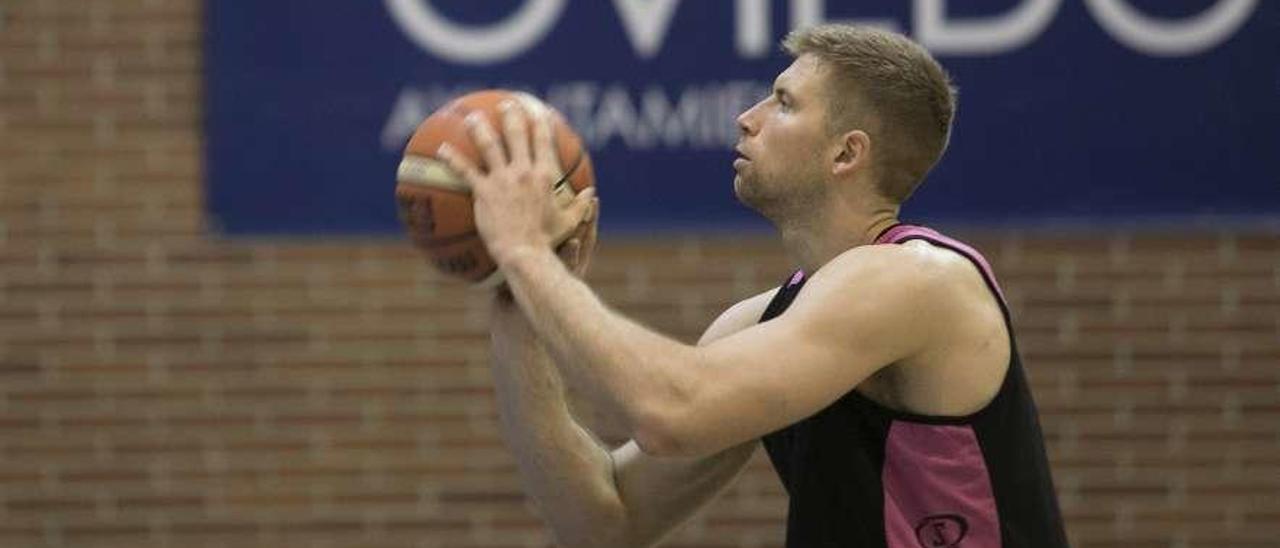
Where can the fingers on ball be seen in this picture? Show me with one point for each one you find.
(543, 148)
(515, 130)
(486, 140)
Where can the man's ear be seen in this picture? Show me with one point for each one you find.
(853, 153)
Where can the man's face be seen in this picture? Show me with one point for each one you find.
(782, 148)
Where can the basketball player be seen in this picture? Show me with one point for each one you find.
(882, 377)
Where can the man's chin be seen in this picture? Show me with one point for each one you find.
(745, 192)
(740, 190)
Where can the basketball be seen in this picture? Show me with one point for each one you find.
(434, 202)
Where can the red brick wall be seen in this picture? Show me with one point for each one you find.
(161, 387)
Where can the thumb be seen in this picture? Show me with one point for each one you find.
(593, 212)
(566, 220)
(581, 206)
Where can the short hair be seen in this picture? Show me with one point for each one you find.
(892, 88)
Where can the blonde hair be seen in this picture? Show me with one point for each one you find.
(890, 87)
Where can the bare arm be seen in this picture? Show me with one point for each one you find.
(866, 309)
(567, 474)
(589, 496)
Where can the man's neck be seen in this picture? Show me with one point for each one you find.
(823, 237)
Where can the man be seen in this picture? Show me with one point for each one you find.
(889, 395)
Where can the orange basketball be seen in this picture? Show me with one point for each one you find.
(435, 202)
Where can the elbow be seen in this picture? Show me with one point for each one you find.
(656, 443)
(660, 432)
(664, 421)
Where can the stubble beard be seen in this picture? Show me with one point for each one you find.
(747, 188)
(768, 198)
(780, 202)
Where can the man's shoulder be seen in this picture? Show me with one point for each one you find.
(912, 289)
(917, 265)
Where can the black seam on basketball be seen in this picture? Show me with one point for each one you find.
(581, 154)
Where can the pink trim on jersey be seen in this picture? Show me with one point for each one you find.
(937, 493)
(904, 232)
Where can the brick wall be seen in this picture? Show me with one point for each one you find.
(160, 387)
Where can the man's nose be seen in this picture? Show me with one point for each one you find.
(745, 123)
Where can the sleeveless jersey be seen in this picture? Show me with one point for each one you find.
(861, 475)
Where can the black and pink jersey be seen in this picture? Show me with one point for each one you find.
(860, 475)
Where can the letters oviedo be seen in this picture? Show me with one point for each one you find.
(646, 24)
(691, 112)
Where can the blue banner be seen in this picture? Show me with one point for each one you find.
(1076, 110)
